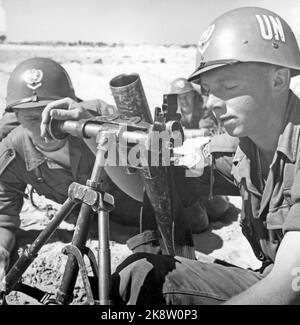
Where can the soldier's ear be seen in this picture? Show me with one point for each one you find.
(281, 79)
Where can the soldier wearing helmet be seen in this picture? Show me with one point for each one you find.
(195, 116)
(48, 166)
(245, 58)
(191, 108)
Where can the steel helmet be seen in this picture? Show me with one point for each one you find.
(181, 86)
(248, 34)
(36, 82)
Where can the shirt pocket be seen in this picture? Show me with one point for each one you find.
(274, 223)
(276, 216)
(280, 205)
(278, 212)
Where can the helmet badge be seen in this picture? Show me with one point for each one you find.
(180, 84)
(204, 39)
(33, 78)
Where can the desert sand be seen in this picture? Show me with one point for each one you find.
(91, 69)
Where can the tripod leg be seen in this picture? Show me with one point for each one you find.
(30, 254)
(163, 197)
(147, 219)
(104, 271)
(65, 291)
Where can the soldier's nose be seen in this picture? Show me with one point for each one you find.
(215, 103)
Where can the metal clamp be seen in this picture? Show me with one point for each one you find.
(71, 249)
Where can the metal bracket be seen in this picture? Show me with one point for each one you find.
(92, 259)
(71, 249)
(95, 199)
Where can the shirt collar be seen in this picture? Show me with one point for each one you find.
(34, 158)
(287, 143)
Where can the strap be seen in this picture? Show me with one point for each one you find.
(38, 175)
(39, 295)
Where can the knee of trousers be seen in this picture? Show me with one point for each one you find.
(141, 277)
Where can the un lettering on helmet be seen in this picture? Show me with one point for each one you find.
(270, 27)
(247, 34)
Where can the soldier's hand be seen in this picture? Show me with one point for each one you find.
(191, 155)
(62, 109)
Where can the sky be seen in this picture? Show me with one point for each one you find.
(127, 21)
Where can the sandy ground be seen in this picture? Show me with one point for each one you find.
(91, 69)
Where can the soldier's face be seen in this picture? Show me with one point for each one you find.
(216, 105)
(186, 102)
(243, 91)
(30, 119)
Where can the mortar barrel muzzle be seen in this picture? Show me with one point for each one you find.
(129, 95)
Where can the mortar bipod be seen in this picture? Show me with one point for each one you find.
(92, 201)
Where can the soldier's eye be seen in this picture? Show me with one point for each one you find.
(32, 118)
(230, 86)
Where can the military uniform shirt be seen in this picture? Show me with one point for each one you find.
(270, 207)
